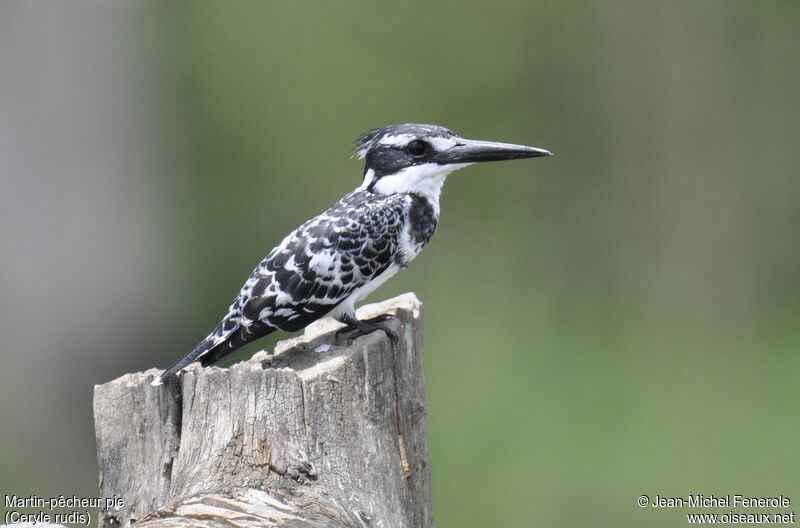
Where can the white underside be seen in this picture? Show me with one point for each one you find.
(348, 306)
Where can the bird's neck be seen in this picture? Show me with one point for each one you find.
(425, 181)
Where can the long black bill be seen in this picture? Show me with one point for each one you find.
(474, 151)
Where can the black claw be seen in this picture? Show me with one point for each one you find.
(341, 332)
(391, 334)
(356, 328)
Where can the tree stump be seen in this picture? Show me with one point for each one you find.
(320, 434)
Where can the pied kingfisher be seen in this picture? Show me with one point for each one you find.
(338, 258)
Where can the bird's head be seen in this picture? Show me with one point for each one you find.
(417, 158)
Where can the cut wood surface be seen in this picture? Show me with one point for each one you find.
(323, 433)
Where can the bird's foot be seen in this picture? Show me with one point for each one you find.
(380, 318)
(356, 328)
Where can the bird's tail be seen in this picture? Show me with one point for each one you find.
(235, 341)
(204, 346)
(216, 346)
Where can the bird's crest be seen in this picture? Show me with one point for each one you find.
(365, 141)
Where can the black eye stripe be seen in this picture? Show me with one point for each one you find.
(417, 147)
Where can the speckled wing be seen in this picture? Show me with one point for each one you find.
(322, 262)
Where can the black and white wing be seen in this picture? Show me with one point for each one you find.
(313, 270)
(322, 262)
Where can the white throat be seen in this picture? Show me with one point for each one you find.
(425, 180)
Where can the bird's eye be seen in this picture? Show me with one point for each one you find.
(417, 147)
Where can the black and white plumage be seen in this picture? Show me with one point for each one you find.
(328, 264)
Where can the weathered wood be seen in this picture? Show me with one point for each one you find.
(320, 434)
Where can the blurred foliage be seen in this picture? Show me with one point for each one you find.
(614, 321)
(619, 319)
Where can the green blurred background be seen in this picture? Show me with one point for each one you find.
(620, 319)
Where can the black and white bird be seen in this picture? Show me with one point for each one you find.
(328, 264)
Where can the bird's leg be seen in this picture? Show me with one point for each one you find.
(356, 328)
